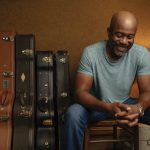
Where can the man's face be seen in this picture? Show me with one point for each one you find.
(121, 39)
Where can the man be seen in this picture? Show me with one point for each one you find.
(106, 72)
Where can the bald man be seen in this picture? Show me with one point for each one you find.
(104, 78)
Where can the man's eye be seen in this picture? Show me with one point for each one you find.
(130, 36)
(119, 35)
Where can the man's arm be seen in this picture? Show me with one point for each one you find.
(83, 86)
(144, 90)
(143, 102)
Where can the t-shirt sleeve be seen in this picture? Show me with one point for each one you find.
(85, 64)
(144, 67)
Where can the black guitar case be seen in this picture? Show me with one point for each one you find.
(45, 139)
(24, 105)
(62, 92)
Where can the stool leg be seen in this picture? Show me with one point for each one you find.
(136, 138)
(132, 146)
(86, 139)
(115, 134)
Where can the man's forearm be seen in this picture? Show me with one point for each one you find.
(144, 99)
(85, 98)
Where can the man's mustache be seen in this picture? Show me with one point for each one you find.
(123, 46)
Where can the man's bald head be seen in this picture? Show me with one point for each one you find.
(121, 34)
(123, 18)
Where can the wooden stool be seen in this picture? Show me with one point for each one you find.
(102, 129)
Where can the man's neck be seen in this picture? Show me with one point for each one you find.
(111, 56)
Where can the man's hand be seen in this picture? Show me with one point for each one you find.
(118, 108)
(126, 114)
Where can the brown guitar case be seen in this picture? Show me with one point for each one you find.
(24, 105)
(7, 69)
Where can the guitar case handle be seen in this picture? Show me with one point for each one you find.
(5, 97)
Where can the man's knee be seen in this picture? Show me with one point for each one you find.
(76, 113)
(146, 118)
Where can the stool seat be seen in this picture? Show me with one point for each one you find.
(105, 132)
(103, 123)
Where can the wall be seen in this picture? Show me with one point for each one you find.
(70, 24)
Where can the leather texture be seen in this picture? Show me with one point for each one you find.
(46, 138)
(45, 101)
(24, 105)
(7, 81)
(62, 92)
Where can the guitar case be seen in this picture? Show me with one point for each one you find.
(24, 105)
(7, 87)
(62, 92)
(45, 139)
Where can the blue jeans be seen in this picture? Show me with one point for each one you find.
(76, 119)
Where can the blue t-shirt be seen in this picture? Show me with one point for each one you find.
(112, 81)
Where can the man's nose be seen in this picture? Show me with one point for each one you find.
(124, 40)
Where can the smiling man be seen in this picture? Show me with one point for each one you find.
(121, 34)
(104, 79)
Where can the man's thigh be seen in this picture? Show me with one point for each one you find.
(80, 112)
(98, 116)
(146, 118)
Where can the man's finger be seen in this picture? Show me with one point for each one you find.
(133, 123)
(121, 114)
(123, 122)
(125, 107)
(132, 117)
